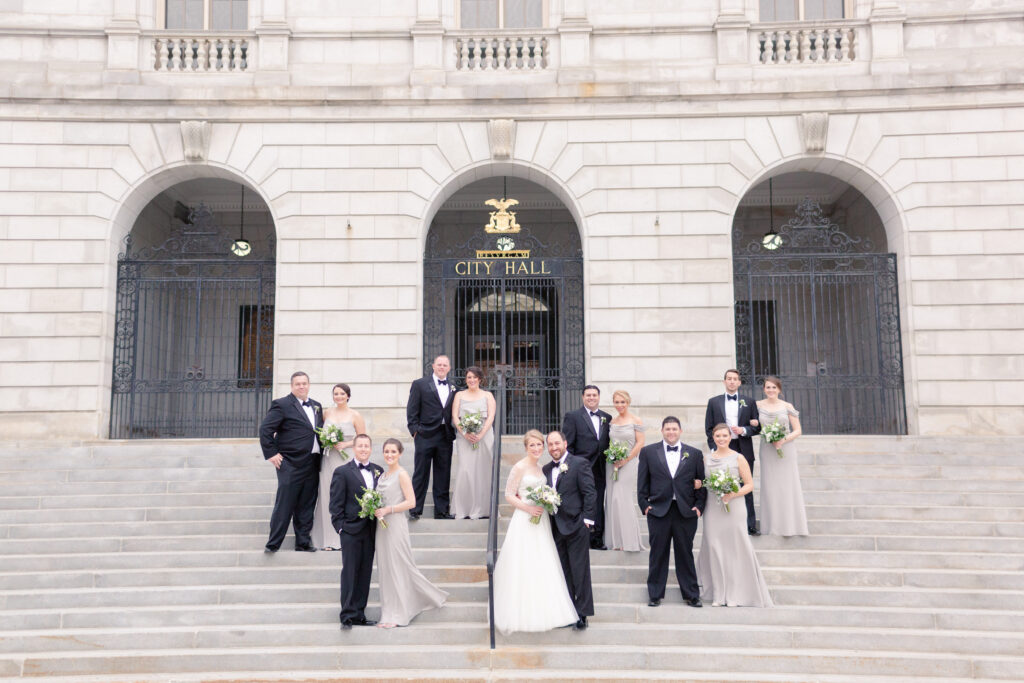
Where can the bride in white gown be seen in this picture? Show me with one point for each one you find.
(529, 587)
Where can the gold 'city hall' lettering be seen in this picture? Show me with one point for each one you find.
(476, 268)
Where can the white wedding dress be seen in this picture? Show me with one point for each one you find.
(529, 587)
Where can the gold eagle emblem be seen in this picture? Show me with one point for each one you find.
(502, 220)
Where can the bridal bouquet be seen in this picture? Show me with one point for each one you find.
(618, 450)
(330, 436)
(544, 496)
(369, 503)
(774, 433)
(721, 482)
(471, 423)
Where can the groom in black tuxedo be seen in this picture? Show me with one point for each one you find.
(572, 478)
(667, 495)
(736, 411)
(357, 534)
(586, 435)
(289, 441)
(429, 414)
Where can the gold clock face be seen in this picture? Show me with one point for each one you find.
(241, 248)
(772, 241)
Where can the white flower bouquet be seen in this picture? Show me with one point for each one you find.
(369, 503)
(774, 433)
(544, 496)
(330, 436)
(721, 482)
(617, 450)
(472, 423)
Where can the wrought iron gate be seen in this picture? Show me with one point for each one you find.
(525, 312)
(193, 342)
(826, 321)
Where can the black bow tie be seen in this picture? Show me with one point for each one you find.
(365, 467)
(730, 398)
(672, 448)
(556, 463)
(307, 404)
(442, 381)
(593, 414)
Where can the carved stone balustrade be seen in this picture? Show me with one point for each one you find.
(202, 53)
(502, 52)
(807, 44)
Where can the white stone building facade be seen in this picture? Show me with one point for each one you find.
(653, 123)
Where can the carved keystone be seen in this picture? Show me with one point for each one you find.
(195, 139)
(502, 136)
(814, 131)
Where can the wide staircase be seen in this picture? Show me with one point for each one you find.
(139, 561)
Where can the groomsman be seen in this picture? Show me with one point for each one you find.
(586, 436)
(429, 414)
(574, 481)
(357, 534)
(668, 496)
(736, 411)
(289, 441)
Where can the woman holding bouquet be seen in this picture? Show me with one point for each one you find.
(622, 523)
(473, 415)
(727, 566)
(404, 591)
(530, 593)
(351, 423)
(782, 497)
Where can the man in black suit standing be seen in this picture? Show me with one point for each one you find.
(289, 441)
(668, 495)
(737, 412)
(357, 534)
(429, 414)
(586, 435)
(573, 479)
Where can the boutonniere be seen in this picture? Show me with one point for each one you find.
(686, 454)
(743, 404)
(604, 420)
(564, 467)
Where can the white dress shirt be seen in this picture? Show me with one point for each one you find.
(311, 416)
(443, 391)
(555, 472)
(732, 414)
(596, 421)
(367, 475)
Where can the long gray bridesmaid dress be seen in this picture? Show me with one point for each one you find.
(324, 534)
(621, 515)
(404, 591)
(782, 496)
(471, 496)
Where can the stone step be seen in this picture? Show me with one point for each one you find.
(476, 634)
(582, 657)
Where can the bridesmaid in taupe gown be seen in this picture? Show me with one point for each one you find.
(325, 536)
(782, 497)
(621, 515)
(471, 496)
(404, 591)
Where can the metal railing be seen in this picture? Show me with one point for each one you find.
(502, 372)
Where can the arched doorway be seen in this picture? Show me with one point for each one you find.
(194, 327)
(817, 303)
(510, 293)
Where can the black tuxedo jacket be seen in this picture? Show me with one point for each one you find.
(346, 487)
(286, 429)
(580, 438)
(715, 414)
(655, 485)
(578, 493)
(424, 412)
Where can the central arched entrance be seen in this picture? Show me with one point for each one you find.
(504, 286)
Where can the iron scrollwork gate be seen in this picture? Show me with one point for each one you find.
(821, 312)
(523, 312)
(193, 340)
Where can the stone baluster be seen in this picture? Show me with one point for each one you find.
(507, 58)
(804, 54)
(845, 45)
(176, 47)
(233, 54)
(830, 36)
(543, 53)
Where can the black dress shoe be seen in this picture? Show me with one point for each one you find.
(753, 532)
(444, 516)
(414, 515)
(654, 602)
(694, 602)
(270, 551)
(581, 624)
(598, 546)
(363, 622)
(346, 625)
(305, 549)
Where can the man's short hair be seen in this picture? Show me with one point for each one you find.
(726, 375)
(671, 418)
(298, 373)
(591, 386)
